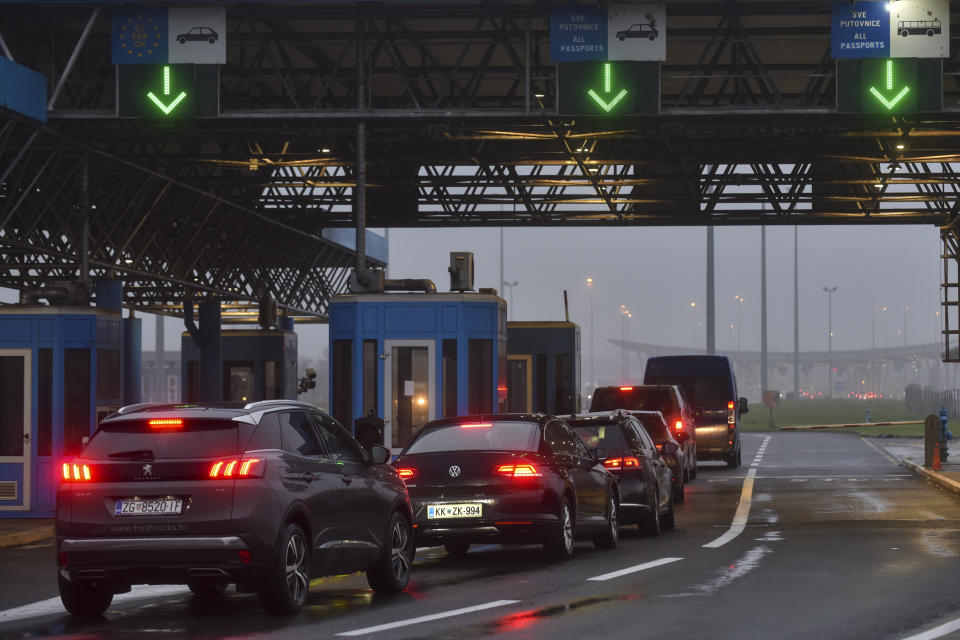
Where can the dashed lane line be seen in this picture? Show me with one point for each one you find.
(428, 618)
(634, 569)
(937, 632)
(743, 509)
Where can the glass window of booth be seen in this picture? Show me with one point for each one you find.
(449, 375)
(45, 402)
(76, 400)
(480, 379)
(342, 398)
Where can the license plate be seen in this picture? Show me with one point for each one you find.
(435, 511)
(158, 507)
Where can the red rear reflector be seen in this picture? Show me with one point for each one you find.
(244, 555)
(76, 472)
(474, 426)
(679, 425)
(62, 558)
(626, 388)
(166, 423)
(522, 470)
(407, 474)
(730, 405)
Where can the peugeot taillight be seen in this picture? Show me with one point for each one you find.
(240, 468)
(518, 470)
(73, 472)
(407, 473)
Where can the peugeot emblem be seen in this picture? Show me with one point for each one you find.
(148, 469)
(454, 471)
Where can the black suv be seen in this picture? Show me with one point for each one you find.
(266, 495)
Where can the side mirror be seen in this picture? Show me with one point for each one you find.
(601, 454)
(379, 454)
(668, 448)
(743, 406)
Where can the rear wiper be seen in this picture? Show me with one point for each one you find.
(136, 454)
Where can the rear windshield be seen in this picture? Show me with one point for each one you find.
(706, 392)
(655, 427)
(608, 436)
(137, 439)
(489, 436)
(634, 399)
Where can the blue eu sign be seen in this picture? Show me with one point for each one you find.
(860, 29)
(139, 36)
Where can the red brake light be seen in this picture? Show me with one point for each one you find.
(215, 469)
(166, 423)
(631, 463)
(249, 467)
(616, 464)
(475, 426)
(613, 463)
(679, 425)
(244, 468)
(660, 447)
(245, 556)
(626, 388)
(407, 474)
(76, 472)
(521, 470)
(730, 405)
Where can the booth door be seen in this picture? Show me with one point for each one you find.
(519, 384)
(409, 389)
(15, 429)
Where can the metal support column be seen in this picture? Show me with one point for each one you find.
(85, 212)
(132, 359)
(763, 309)
(711, 302)
(796, 315)
(360, 190)
(211, 360)
(159, 369)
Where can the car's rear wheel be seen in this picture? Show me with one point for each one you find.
(207, 590)
(651, 525)
(457, 549)
(84, 599)
(285, 588)
(560, 544)
(667, 520)
(611, 535)
(391, 573)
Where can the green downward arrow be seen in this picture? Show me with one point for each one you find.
(889, 104)
(166, 108)
(604, 104)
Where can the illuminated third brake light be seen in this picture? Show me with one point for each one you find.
(626, 388)
(476, 426)
(165, 423)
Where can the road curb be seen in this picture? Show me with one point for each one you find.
(933, 476)
(25, 537)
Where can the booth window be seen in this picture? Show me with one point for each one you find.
(449, 374)
(342, 398)
(540, 382)
(192, 388)
(11, 405)
(108, 373)
(480, 379)
(45, 402)
(369, 377)
(238, 381)
(271, 380)
(564, 382)
(501, 376)
(76, 400)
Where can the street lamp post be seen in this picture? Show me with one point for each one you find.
(693, 319)
(511, 285)
(739, 300)
(829, 291)
(905, 309)
(625, 315)
(592, 378)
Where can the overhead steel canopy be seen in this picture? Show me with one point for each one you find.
(462, 128)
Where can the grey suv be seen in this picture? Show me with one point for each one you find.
(266, 495)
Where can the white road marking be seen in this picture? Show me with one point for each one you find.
(433, 616)
(53, 606)
(886, 455)
(634, 569)
(743, 509)
(937, 632)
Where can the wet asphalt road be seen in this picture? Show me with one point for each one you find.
(840, 543)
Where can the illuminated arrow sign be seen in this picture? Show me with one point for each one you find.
(607, 106)
(889, 103)
(166, 108)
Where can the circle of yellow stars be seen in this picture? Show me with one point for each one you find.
(138, 34)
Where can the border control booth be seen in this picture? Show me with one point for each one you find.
(403, 352)
(543, 365)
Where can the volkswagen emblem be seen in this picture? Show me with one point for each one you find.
(454, 471)
(148, 469)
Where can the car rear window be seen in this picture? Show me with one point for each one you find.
(608, 436)
(487, 436)
(138, 439)
(706, 392)
(634, 399)
(655, 427)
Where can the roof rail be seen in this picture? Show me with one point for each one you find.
(141, 405)
(263, 404)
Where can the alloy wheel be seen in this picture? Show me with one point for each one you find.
(567, 528)
(296, 570)
(399, 544)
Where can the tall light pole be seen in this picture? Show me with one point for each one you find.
(739, 300)
(730, 337)
(830, 291)
(873, 342)
(593, 380)
(796, 313)
(625, 315)
(510, 285)
(905, 309)
(693, 322)
(886, 330)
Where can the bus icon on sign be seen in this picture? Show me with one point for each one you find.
(919, 27)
